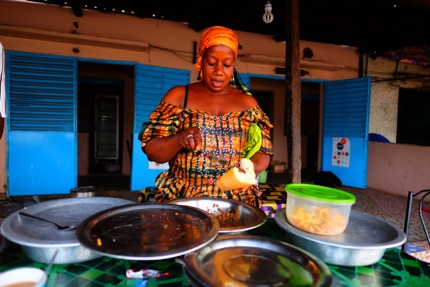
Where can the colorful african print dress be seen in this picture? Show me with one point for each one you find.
(194, 174)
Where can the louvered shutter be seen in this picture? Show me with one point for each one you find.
(346, 119)
(42, 151)
(150, 86)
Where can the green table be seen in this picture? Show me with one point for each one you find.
(396, 268)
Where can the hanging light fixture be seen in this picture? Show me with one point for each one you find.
(268, 16)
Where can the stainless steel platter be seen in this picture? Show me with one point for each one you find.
(247, 260)
(234, 216)
(2, 239)
(40, 240)
(363, 242)
(148, 231)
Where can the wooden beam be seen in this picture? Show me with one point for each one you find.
(293, 91)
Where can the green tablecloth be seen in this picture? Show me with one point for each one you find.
(394, 269)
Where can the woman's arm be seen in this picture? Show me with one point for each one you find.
(161, 150)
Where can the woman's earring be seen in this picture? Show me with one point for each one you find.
(200, 75)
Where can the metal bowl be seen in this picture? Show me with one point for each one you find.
(148, 231)
(363, 242)
(249, 217)
(246, 260)
(2, 239)
(40, 240)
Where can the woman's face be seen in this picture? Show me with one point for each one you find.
(217, 67)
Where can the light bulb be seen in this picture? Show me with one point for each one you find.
(268, 16)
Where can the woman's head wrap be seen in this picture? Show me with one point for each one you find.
(218, 35)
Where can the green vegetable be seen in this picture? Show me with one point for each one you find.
(254, 141)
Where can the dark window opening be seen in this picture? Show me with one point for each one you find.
(413, 120)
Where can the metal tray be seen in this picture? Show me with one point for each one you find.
(148, 231)
(363, 242)
(40, 240)
(250, 217)
(246, 260)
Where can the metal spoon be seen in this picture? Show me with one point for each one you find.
(60, 227)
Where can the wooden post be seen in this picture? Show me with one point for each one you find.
(293, 91)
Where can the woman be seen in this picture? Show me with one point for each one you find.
(197, 125)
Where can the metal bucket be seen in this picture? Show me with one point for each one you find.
(84, 191)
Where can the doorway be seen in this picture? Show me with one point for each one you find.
(105, 122)
(310, 129)
(100, 122)
(270, 94)
(265, 100)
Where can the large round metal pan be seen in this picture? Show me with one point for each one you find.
(363, 242)
(246, 260)
(249, 217)
(40, 240)
(148, 231)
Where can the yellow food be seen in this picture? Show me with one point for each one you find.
(236, 178)
(322, 220)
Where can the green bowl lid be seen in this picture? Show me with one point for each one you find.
(321, 193)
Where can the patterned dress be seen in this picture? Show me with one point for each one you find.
(194, 174)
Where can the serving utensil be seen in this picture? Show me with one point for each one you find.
(60, 227)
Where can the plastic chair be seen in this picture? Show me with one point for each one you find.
(411, 196)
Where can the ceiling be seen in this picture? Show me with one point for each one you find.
(374, 26)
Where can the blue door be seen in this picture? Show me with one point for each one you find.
(150, 86)
(345, 130)
(41, 137)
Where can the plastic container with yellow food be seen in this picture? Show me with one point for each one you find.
(318, 209)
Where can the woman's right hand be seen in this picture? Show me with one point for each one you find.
(163, 149)
(191, 139)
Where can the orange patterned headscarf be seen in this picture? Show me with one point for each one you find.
(217, 35)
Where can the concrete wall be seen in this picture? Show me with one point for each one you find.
(398, 168)
(385, 93)
(395, 168)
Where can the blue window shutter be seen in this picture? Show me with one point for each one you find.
(151, 84)
(42, 153)
(42, 92)
(346, 116)
(346, 108)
